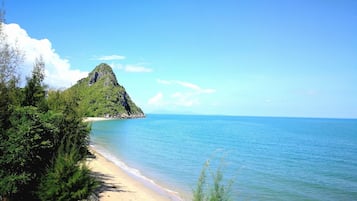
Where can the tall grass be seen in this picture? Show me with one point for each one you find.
(212, 190)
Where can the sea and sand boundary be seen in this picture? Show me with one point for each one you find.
(120, 182)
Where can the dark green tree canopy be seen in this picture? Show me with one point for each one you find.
(42, 136)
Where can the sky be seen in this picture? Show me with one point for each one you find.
(295, 58)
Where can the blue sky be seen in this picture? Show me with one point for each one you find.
(258, 58)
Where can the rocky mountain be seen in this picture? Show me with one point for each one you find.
(100, 95)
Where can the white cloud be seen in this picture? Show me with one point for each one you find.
(137, 69)
(156, 100)
(111, 57)
(185, 99)
(166, 82)
(195, 87)
(186, 94)
(163, 82)
(117, 66)
(58, 70)
(188, 85)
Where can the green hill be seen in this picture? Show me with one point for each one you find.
(100, 95)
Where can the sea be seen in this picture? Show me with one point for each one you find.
(260, 158)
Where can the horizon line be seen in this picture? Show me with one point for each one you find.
(251, 116)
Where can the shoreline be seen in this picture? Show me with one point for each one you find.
(92, 119)
(118, 183)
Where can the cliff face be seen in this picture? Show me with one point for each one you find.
(100, 95)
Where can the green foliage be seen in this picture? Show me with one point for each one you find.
(35, 132)
(67, 180)
(10, 57)
(101, 95)
(217, 190)
(55, 100)
(29, 143)
(70, 122)
(34, 91)
(34, 137)
(198, 193)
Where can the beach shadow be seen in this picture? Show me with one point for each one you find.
(106, 185)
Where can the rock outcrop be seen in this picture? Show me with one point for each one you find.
(100, 95)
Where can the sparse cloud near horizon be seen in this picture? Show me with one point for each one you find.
(188, 85)
(58, 71)
(137, 69)
(179, 94)
(131, 68)
(156, 100)
(185, 99)
(166, 82)
(110, 57)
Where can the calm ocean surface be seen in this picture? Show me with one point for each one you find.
(268, 158)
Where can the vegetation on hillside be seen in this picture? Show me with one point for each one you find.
(100, 95)
(42, 136)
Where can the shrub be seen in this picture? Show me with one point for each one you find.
(215, 190)
(68, 180)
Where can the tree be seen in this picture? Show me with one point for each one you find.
(10, 58)
(72, 128)
(34, 89)
(35, 135)
(30, 143)
(67, 180)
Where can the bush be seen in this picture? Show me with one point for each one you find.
(68, 180)
(217, 191)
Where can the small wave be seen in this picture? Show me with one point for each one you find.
(173, 195)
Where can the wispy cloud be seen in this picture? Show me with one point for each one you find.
(166, 82)
(195, 87)
(137, 69)
(131, 68)
(183, 94)
(110, 57)
(188, 85)
(185, 99)
(156, 100)
(117, 66)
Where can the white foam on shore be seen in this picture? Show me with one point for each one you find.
(136, 174)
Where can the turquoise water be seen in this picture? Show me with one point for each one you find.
(268, 158)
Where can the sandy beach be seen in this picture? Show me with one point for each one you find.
(90, 119)
(117, 185)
